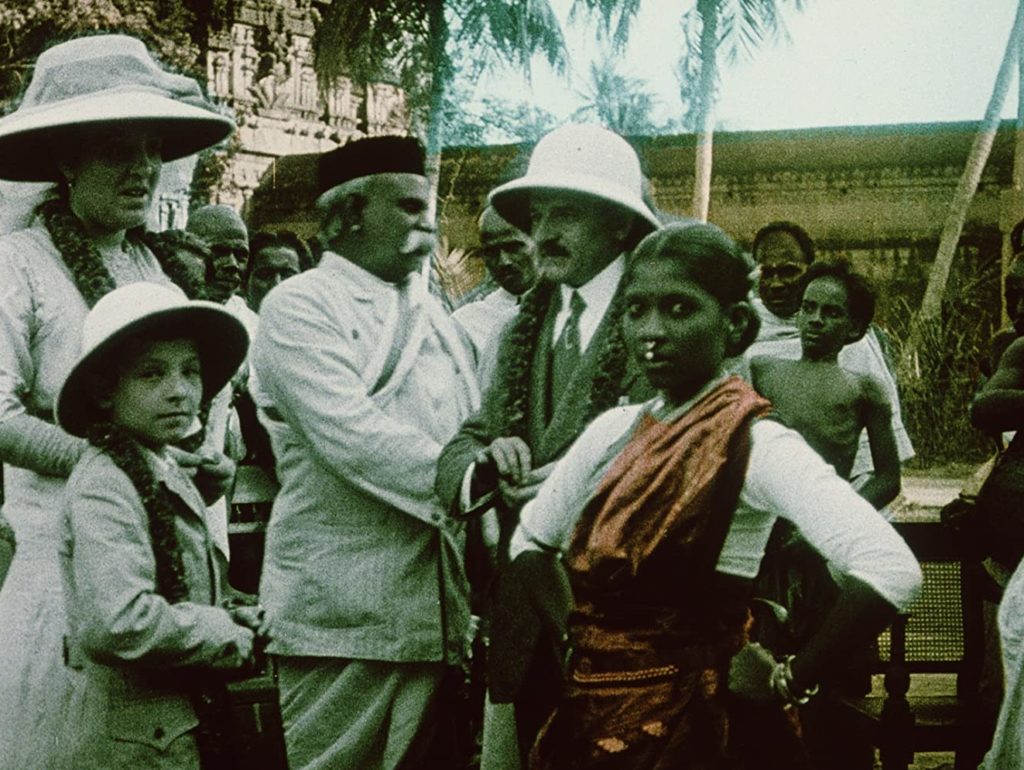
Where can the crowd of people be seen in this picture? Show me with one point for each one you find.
(538, 531)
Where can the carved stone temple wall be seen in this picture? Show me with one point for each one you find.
(261, 67)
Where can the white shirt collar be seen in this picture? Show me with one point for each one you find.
(773, 327)
(597, 293)
(365, 285)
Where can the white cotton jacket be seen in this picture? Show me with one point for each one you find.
(360, 384)
(133, 648)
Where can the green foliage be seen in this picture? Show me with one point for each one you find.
(939, 375)
(211, 170)
(497, 121)
(616, 15)
(374, 40)
(27, 27)
(422, 46)
(513, 30)
(621, 103)
(740, 27)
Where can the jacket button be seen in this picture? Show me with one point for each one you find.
(158, 733)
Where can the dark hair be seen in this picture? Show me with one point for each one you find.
(708, 257)
(165, 246)
(1017, 237)
(804, 241)
(282, 239)
(860, 296)
(117, 360)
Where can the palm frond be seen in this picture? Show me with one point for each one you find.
(617, 17)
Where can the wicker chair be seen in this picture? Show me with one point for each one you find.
(942, 634)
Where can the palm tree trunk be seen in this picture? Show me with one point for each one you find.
(939, 274)
(439, 76)
(1017, 198)
(708, 10)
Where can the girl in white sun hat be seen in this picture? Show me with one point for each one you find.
(97, 121)
(143, 579)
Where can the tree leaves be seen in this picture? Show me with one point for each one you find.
(27, 27)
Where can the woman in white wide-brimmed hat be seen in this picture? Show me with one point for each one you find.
(98, 120)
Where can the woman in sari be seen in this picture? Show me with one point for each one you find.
(660, 513)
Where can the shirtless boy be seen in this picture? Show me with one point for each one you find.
(825, 403)
(829, 406)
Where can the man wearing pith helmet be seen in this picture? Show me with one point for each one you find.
(562, 360)
(362, 380)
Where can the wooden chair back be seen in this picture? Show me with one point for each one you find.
(941, 634)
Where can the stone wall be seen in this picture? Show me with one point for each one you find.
(261, 68)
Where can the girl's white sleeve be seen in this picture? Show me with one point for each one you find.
(789, 479)
(547, 521)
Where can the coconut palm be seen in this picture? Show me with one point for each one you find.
(714, 31)
(621, 103)
(418, 45)
(932, 303)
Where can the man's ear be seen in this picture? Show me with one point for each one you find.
(857, 332)
(742, 324)
(352, 207)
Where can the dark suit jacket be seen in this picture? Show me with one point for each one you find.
(547, 440)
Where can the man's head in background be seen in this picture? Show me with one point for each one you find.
(507, 253)
(228, 239)
(783, 250)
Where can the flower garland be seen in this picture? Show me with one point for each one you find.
(522, 342)
(83, 260)
(129, 456)
(606, 387)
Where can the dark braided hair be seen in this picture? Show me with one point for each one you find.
(129, 456)
(706, 255)
(605, 389)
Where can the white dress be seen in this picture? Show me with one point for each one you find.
(41, 316)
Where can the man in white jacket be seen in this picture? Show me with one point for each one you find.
(363, 379)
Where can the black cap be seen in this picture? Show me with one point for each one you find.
(369, 156)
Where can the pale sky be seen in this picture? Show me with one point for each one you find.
(848, 62)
